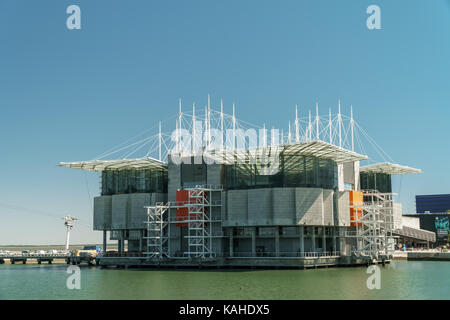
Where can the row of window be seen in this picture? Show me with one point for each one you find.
(134, 181)
(376, 181)
(291, 171)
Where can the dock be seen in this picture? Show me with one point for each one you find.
(426, 255)
(39, 258)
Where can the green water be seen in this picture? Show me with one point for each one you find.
(400, 280)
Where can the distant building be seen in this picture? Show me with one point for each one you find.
(433, 203)
(434, 222)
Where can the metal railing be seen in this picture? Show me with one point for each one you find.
(317, 254)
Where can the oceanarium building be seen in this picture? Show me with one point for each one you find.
(299, 199)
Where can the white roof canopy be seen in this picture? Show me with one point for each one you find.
(101, 165)
(388, 168)
(318, 148)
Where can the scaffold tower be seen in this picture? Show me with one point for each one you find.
(157, 235)
(199, 221)
(374, 225)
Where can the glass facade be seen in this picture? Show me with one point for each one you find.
(193, 174)
(376, 181)
(293, 171)
(134, 181)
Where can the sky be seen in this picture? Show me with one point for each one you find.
(69, 95)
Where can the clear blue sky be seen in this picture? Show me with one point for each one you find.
(68, 95)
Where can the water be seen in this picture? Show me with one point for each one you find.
(400, 280)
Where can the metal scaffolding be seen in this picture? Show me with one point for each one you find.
(199, 224)
(374, 225)
(199, 221)
(157, 235)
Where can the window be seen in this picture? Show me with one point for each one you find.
(134, 181)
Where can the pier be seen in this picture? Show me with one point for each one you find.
(425, 255)
(23, 258)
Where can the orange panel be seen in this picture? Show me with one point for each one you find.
(182, 198)
(356, 198)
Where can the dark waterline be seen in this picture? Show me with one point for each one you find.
(400, 280)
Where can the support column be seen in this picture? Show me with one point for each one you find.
(334, 240)
(104, 240)
(313, 238)
(141, 233)
(277, 241)
(324, 239)
(231, 241)
(122, 246)
(302, 241)
(254, 242)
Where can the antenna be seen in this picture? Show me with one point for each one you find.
(68, 222)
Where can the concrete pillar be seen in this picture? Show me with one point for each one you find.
(302, 241)
(324, 239)
(122, 241)
(313, 238)
(277, 241)
(334, 239)
(254, 242)
(231, 239)
(104, 240)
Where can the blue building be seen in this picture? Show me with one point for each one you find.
(433, 203)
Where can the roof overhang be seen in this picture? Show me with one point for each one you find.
(123, 164)
(416, 233)
(388, 168)
(317, 148)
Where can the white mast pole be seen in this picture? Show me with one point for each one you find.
(264, 136)
(339, 123)
(193, 129)
(234, 126)
(317, 121)
(351, 126)
(297, 130)
(289, 133)
(159, 141)
(221, 122)
(329, 124)
(309, 126)
(206, 126)
(209, 119)
(179, 126)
